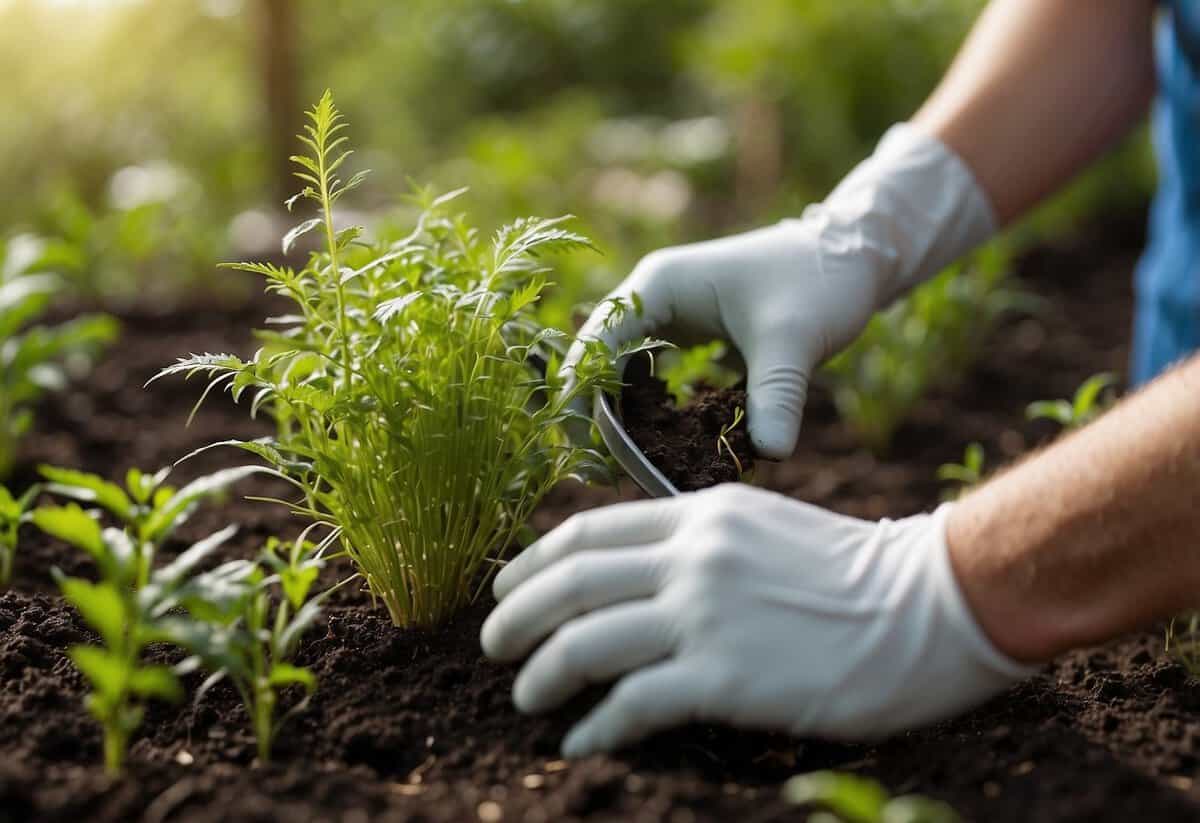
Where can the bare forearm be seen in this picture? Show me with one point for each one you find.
(1040, 89)
(1097, 535)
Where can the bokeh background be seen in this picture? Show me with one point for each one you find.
(143, 141)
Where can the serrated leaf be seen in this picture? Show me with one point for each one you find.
(88, 488)
(299, 231)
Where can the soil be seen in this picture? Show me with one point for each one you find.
(412, 726)
(696, 445)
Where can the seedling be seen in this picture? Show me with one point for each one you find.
(848, 798)
(1091, 399)
(410, 408)
(929, 339)
(723, 439)
(249, 636)
(126, 615)
(127, 606)
(968, 474)
(13, 512)
(1183, 641)
(35, 359)
(147, 508)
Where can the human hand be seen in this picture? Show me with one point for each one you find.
(741, 606)
(791, 295)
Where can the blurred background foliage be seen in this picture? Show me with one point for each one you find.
(145, 140)
(151, 134)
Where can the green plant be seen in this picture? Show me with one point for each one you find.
(127, 606)
(249, 634)
(967, 474)
(926, 340)
(148, 509)
(1183, 641)
(848, 798)
(1091, 400)
(13, 512)
(37, 358)
(723, 439)
(126, 615)
(410, 410)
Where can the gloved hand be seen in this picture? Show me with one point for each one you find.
(789, 296)
(741, 606)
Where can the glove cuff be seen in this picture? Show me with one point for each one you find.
(913, 204)
(959, 613)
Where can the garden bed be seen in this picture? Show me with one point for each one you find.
(414, 726)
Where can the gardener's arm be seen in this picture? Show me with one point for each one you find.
(740, 606)
(1041, 87)
(1095, 536)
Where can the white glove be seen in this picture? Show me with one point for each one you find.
(789, 296)
(741, 606)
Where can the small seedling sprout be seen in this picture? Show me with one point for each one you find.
(968, 474)
(849, 798)
(248, 635)
(1091, 400)
(14, 511)
(723, 439)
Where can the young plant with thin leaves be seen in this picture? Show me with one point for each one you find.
(967, 475)
(1091, 400)
(723, 439)
(127, 617)
(843, 797)
(249, 635)
(417, 399)
(14, 511)
(35, 357)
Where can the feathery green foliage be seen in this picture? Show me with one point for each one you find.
(848, 798)
(408, 388)
(36, 358)
(1091, 399)
(129, 603)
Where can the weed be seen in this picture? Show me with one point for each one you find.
(968, 474)
(1091, 400)
(848, 798)
(410, 408)
(35, 358)
(13, 512)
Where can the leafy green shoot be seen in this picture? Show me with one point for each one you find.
(1183, 641)
(968, 474)
(723, 439)
(411, 405)
(249, 634)
(125, 616)
(1093, 398)
(14, 511)
(34, 357)
(848, 798)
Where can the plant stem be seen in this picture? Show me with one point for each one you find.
(114, 749)
(331, 239)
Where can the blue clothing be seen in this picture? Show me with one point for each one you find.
(1167, 323)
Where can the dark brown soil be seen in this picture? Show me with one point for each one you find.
(696, 445)
(414, 726)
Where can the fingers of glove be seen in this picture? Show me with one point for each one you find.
(594, 648)
(649, 700)
(577, 585)
(777, 388)
(624, 524)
